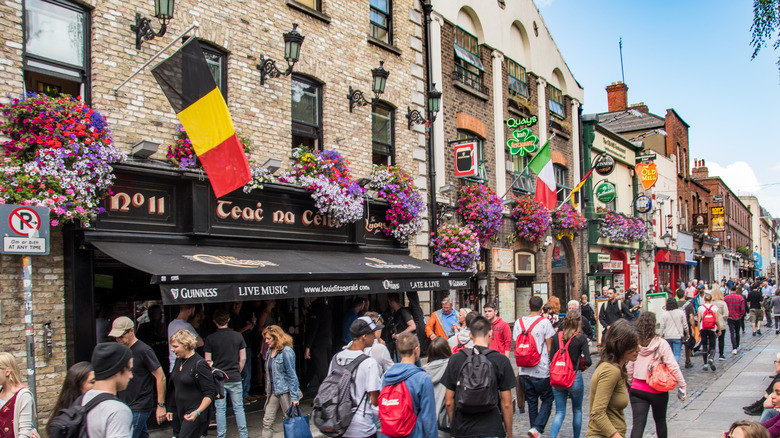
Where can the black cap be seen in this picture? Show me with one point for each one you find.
(363, 326)
(109, 358)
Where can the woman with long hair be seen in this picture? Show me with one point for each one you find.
(571, 329)
(723, 317)
(746, 429)
(674, 327)
(439, 353)
(17, 406)
(192, 387)
(281, 381)
(642, 395)
(608, 393)
(80, 379)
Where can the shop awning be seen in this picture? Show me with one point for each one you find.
(469, 57)
(198, 274)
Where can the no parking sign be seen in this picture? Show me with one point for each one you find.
(25, 229)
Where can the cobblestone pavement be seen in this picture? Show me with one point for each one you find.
(715, 399)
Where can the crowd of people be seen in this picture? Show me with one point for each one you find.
(376, 385)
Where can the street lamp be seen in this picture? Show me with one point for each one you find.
(667, 239)
(292, 51)
(414, 117)
(378, 80)
(163, 11)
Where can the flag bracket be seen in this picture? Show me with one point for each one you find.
(194, 25)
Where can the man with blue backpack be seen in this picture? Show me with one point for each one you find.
(407, 406)
(479, 384)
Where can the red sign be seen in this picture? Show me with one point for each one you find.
(669, 256)
(648, 174)
(465, 160)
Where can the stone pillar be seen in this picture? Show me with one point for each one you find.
(498, 121)
(541, 88)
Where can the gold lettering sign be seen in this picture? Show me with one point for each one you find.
(229, 261)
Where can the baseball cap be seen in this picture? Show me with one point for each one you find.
(120, 326)
(701, 286)
(363, 326)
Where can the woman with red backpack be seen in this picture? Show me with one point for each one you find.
(575, 346)
(651, 376)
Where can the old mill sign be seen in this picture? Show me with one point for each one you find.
(648, 174)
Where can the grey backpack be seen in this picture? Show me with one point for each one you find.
(334, 406)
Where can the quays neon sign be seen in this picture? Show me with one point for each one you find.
(522, 140)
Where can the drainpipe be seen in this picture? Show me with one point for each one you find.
(427, 9)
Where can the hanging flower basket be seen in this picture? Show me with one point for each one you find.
(620, 228)
(532, 219)
(566, 221)
(260, 176)
(182, 155)
(456, 247)
(480, 207)
(58, 155)
(326, 175)
(404, 218)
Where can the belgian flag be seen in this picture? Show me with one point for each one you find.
(187, 82)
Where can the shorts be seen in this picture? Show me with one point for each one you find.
(756, 315)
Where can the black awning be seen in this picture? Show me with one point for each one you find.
(197, 274)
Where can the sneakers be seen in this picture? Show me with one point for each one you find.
(721, 357)
(688, 365)
(759, 332)
(711, 364)
(754, 333)
(754, 412)
(533, 433)
(704, 368)
(735, 351)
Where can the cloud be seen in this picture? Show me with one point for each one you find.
(543, 3)
(742, 180)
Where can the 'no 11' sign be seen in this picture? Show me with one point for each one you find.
(25, 229)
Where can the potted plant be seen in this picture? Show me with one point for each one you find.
(532, 219)
(456, 247)
(480, 207)
(58, 154)
(404, 217)
(326, 175)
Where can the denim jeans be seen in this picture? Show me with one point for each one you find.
(577, 393)
(537, 389)
(676, 345)
(139, 424)
(246, 373)
(768, 414)
(234, 391)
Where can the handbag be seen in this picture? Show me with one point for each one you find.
(658, 375)
(296, 425)
(443, 420)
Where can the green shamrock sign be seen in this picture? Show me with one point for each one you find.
(522, 142)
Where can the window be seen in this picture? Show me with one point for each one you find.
(381, 20)
(468, 67)
(217, 62)
(518, 85)
(313, 4)
(560, 182)
(306, 113)
(382, 138)
(523, 182)
(481, 176)
(56, 58)
(556, 102)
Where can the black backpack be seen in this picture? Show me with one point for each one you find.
(477, 386)
(72, 422)
(334, 406)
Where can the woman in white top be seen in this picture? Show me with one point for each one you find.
(674, 327)
(16, 402)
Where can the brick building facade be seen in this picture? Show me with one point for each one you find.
(496, 63)
(342, 44)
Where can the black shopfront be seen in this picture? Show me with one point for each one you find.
(164, 237)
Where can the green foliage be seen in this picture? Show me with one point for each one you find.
(766, 26)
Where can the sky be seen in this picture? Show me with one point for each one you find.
(693, 56)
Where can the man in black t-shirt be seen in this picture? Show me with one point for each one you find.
(399, 320)
(226, 350)
(755, 298)
(493, 422)
(147, 374)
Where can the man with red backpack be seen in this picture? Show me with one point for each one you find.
(407, 406)
(533, 337)
(710, 328)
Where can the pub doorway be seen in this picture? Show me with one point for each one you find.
(561, 272)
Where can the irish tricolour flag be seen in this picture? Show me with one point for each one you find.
(541, 164)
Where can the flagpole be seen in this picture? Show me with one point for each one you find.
(520, 174)
(175, 40)
(568, 197)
